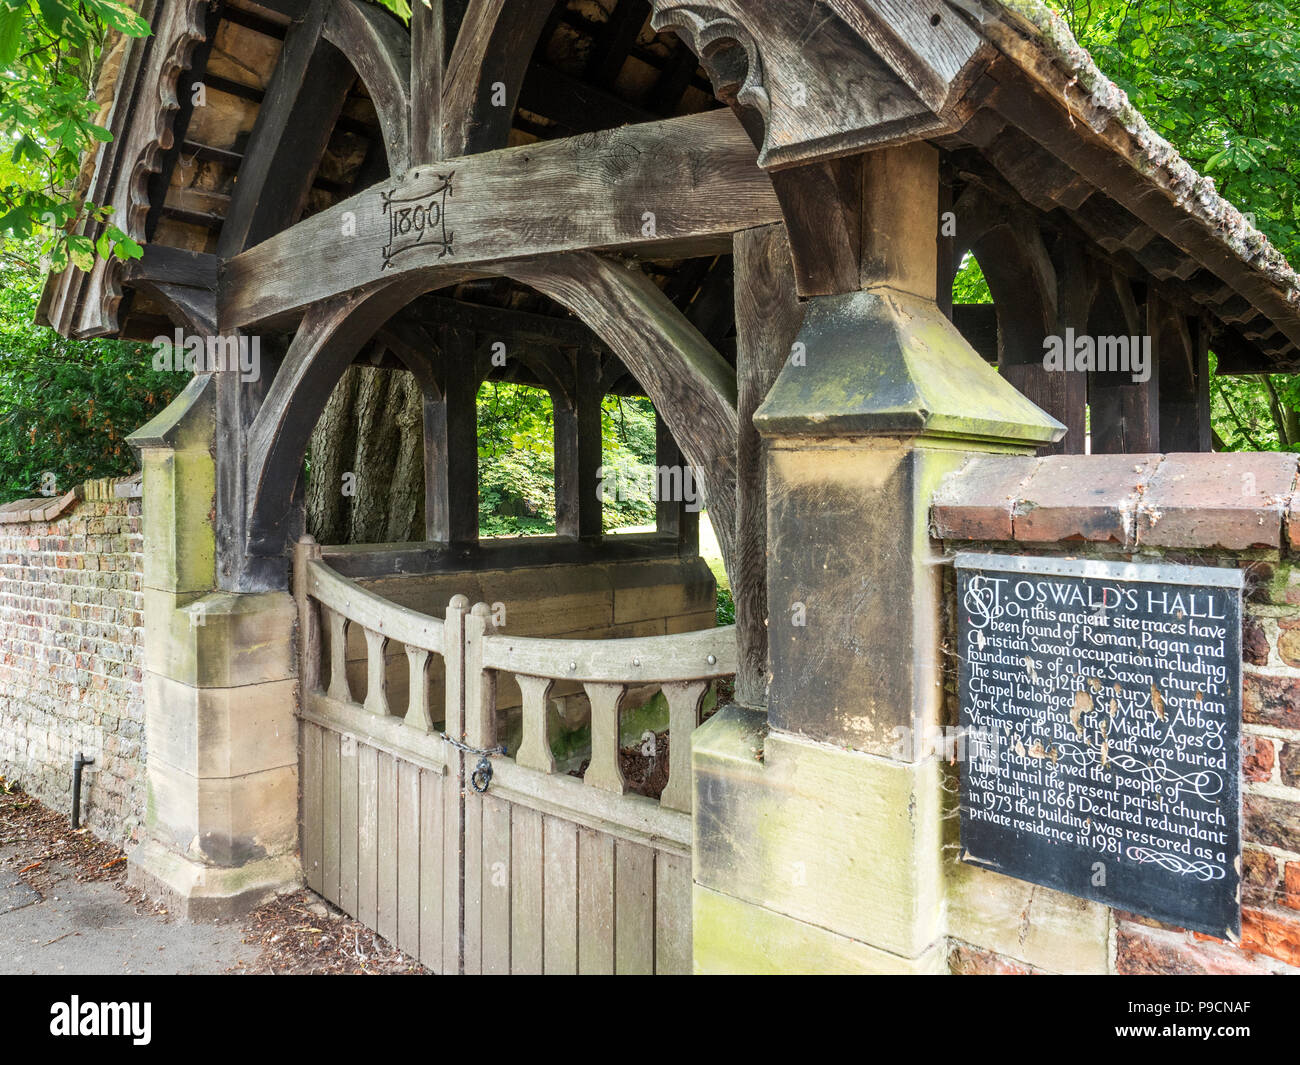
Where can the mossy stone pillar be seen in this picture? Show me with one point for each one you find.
(219, 680)
(818, 843)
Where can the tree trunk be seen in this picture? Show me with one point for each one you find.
(333, 442)
(367, 473)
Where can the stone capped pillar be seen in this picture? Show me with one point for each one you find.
(818, 835)
(219, 685)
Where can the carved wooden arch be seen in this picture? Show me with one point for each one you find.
(692, 387)
(379, 50)
(1018, 268)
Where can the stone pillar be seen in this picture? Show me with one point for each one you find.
(818, 834)
(222, 765)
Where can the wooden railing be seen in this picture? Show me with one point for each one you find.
(474, 655)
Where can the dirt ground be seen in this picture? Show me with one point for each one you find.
(65, 906)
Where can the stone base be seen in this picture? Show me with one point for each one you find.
(831, 859)
(197, 892)
(737, 937)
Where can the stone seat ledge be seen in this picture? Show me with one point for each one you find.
(1234, 501)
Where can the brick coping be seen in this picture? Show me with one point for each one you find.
(48, 508)
(1234, 501)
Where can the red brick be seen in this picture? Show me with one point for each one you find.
(1270, 700)
(975, 503)
(1291, 886)
(1082, 497)
(1290, 764)
(1234, 500)
(1256, 758)
(1288, 644)
(966, 960)
(1254, 643)
(1271, 821)
(1271, 933)
(1258, 876)
(1149, 951)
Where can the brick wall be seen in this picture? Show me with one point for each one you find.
(72, 650)
(1232, 510)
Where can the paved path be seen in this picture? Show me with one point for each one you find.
(92, 928)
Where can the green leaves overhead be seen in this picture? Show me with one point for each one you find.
(48, 55)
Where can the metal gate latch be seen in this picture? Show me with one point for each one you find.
(482, 775)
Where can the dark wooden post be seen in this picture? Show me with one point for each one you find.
(1125, 413)
(1181, 351)
(768, 315)
(672, 516)
(578, 452)
(451, 444)
(428, 46)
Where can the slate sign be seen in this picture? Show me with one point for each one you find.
(1101, 707)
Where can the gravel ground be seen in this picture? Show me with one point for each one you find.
(65, 908)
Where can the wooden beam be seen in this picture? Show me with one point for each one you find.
(175, 266)
(289, 136)
(493, 47)
(379, 50)
(574, 104)
(500, 321)
(695, 175)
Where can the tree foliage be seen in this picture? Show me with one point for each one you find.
(66, 405)
(516, 437)
(48, 53)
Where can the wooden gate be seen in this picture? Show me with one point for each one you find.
(542, 871)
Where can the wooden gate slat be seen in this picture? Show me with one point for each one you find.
(453, 818)
(312, 798)
(560, 895)
(348, 824)
(330, 811)
(673, 955)
(408, 857)
(386, 837)
(595, 902)
(367, 831)
(473, 894)
(496, 910)
(526, 891)
(634, 915)
(431, 854)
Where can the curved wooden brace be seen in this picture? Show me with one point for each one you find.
(1018, 269)
(691, 385)
(493, 47)
(331, 334)
(380, 52)
(194, 309)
